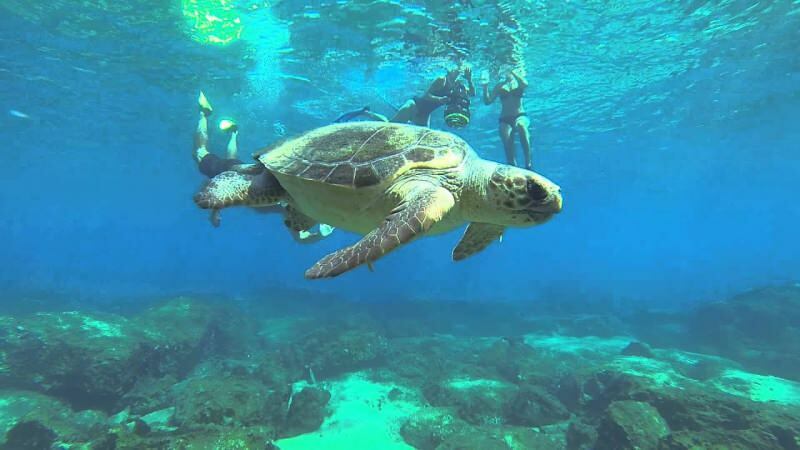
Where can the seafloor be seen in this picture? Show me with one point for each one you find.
(297, 372)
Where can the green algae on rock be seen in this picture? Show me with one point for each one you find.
(92, 360)
(430, 427)
(42, 412)
(477, 401)
(631, 425)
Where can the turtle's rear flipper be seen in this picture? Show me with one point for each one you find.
(296, 221)
(231, 188)
(424, 207)
(300, 226)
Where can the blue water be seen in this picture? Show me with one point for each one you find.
(672, 128)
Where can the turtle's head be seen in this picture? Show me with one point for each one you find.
(519, 197)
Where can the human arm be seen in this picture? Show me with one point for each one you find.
(470, 85)
(488, 97)
(437, 86)
(523, 83)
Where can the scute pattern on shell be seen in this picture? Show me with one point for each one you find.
(361, 154)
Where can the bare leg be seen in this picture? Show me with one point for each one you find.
(201, 133)
(201, 145)
(508, 143)
(423, 122)
(376, 116)
(525, 139)
(233, 149)
(406, 112)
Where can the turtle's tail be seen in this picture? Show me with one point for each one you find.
(232, 188)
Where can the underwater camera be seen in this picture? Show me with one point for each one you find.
(456, 114)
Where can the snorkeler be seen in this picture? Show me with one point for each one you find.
(512, 116)
(444, 90)
(418, 110)
(212, 165)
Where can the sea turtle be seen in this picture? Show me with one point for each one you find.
(390, 183)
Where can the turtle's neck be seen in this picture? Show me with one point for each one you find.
(474, 197)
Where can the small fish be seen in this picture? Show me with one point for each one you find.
(287, 76)
(81, 69)
(20, 114)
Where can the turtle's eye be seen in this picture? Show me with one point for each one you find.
(536, 191)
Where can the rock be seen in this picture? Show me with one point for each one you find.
(148, 394)
(244, 438)
(631, 425)
(478, 401)
(702, 418)
(229, 401)
(307, 411)
(758, 329)
(511, 358)
(159, 421)
(702, 369)
(533, 407)
(547, 438)
(86, 360)
(92, 360)
(581, 436)
(211, 437)
(139, 427)
(637, 349)
(430, 427)
(120, 417)
(720, 439)
(568, 391)
(472, 439)
(29, 435)
(180, 334)
(183, 323)
(421, 360)
(333, 351)
(17, 407)
(604, 326)
(604, 387)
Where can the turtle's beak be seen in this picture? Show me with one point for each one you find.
(551, 206)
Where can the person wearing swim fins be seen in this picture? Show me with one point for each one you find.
(448, 90)
(208, 163)
(365, 111)
(513, 118)
(212, 165)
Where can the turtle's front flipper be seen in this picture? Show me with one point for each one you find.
(213, 217)
(477, 237)
(422, 208)
(231, 188)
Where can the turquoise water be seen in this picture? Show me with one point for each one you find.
(671, 128)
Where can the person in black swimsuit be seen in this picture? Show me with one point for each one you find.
(212, 165)
(208, 163)
(418, 110)
(512, 116)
